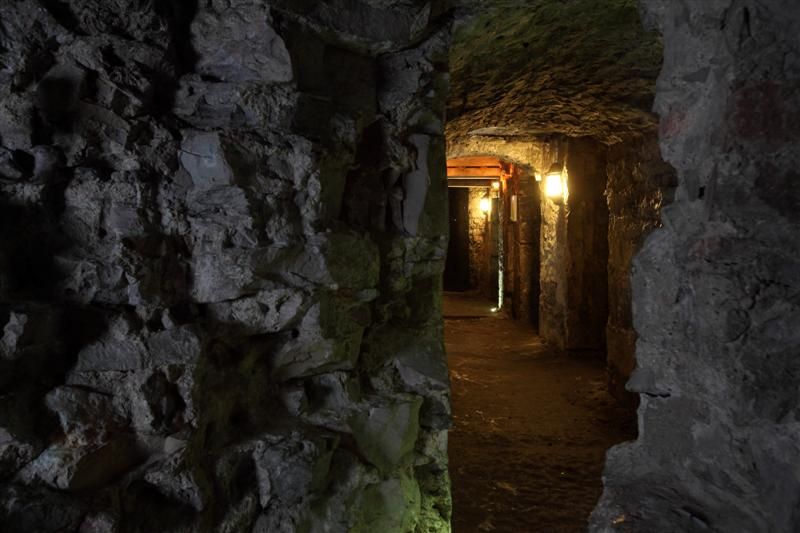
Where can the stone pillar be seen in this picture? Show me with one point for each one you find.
(479, 242)
(716, 291)
(587, 246)
(223, 232)
(639, 181)
(574, 251)
(553, 280)
(522, 244)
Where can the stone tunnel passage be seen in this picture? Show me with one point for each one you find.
(555, 180)
(222, 230)
(531, 425)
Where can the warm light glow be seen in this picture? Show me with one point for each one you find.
(496, 185)
(537, 176)
(486, 205)
(554, 186)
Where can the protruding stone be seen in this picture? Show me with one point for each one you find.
(269, 311)
(176, 478)
(238, 44)
(393, 505)
(291, 470)
(386, 430)
(203, 158)
(13, 453)
(83, 413)
(80, 467)
(12, 334)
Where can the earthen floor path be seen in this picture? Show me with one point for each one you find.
(531, 426)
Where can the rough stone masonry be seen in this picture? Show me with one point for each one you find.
(223, 230)
(221, 240)
(716, 291)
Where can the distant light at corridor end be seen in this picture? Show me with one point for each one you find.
(486, 205)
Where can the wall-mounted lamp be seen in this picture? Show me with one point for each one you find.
(554, 182)
(486, 205)
(496, 185)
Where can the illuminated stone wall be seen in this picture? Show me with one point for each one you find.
(479, 246)
(574, 248)
(639, 183)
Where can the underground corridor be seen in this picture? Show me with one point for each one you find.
(542, 406)
(526, 313)
(554, 182)
(399, 266)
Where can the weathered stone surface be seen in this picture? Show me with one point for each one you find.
(13, 453)
(178, 479)
(328, 338)
(392, 505)
(240, 45)
(13, 336)
(524, 68)
(205, 207)
(80, 467)
(587, 245)
(715, 290)
(291, 470)
(386, 432)
(639, 183)
(268, 311)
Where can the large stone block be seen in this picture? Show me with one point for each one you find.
(386, 430)
(238, 44)
(193, 292)
(81, 467)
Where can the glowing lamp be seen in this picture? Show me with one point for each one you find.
(496, 185)
(486, 205)
(553, 182)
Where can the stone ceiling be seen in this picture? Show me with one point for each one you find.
(528, 68)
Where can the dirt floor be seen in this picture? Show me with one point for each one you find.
(531, 425)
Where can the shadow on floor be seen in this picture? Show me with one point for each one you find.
(468, 305)
(531, 426)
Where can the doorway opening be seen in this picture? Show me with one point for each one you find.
(477, 187)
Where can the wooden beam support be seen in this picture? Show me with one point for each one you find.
(469, 182)
(474, 172)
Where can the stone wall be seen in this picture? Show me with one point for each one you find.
(522, 157)
(553, 272)
(716, 291)
(574, 248)
(522, 248)
(223, 229)
(479, 245)
(587, 246)
(639, 183)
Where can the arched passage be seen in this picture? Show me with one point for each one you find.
(494, 233)
(222, 229)
(559, 93)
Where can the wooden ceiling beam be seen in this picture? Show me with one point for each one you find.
(469, 172)
(470, 182)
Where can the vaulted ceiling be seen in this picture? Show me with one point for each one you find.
(578, 67)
